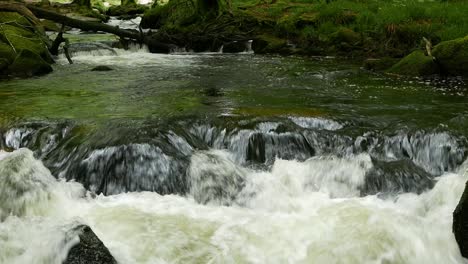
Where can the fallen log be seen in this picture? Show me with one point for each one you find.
(84, 25)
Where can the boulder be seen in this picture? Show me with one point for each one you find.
(21, 38)
(7, 52)
(452, 56)
(234, 47)
(156, 46)
(102, 68)
(415, 64)
(4, 63)
(269, 44)
(90, 249)
(28, 64)
(460, 223)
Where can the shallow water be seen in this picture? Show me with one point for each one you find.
(215, 158)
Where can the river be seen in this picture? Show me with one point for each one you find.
(241, 158)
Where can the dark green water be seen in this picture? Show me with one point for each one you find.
(146, 86)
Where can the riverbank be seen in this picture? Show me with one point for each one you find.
(354, 29)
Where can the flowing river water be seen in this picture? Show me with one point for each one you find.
(217, 158)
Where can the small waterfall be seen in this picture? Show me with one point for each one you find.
(402, 161)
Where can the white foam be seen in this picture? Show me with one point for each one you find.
(299, 212)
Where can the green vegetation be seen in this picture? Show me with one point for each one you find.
(352, 28)
(415, 64)
(453, 56)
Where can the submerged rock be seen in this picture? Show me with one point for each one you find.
(90, 249)
(452, 56)
(460, 223)
(415, 64)
(102, 68)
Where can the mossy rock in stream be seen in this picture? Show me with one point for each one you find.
(23, 39)
(452, 56)
(28, 64)
(15, 19)
(269, 44)
(415, 64)
(4, 63)
(7, 52)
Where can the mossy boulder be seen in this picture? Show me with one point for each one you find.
(14, 18)
(415, 64)
(23, 39)
(269, 44)
(28, 64)
(4, 63)
(7, 52)
(452, 56)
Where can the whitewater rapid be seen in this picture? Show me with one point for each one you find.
(296, 212)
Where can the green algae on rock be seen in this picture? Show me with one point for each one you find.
(415, 64)
(452, 56)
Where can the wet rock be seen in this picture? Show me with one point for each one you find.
(269, 44)
(415, 64)
(156, 46)
(102, 68)
(234, 47)
(90, 250)
(28, 64)
(7, 52)
(460, 223)
(3, 65)
(452, 56)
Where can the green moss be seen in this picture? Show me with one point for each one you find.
(267, 43)
(14, 18)
(23, 39)
(415, 64)
(6, 52)
(452, 56)
(28, 63)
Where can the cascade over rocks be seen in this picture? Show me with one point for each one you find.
(90, 249)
